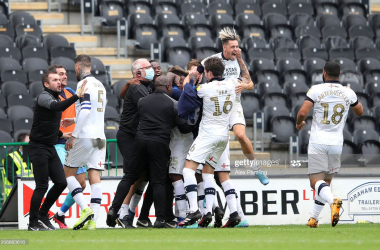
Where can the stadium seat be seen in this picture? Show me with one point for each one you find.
(173, 30)
(251, 104)
(22, 123)
(260, 53)
(145, 35)
(20, 100)
(2, 114)
(6, 125)
(364, 99)
(281, 42)
(281, 30)
(253, 31)
(356, 87)
(261, 64)
(367, 53)
(361, 42)
(247, 8)
(35, 88)
(179, 56)
(193, 7)
(314, 53)
(138, 7)
(3, 102)
(307, 30)
(110, 133)
(370, 151)
(333, 42)
(271, 112)
(345, 63)
(164, 19)
(295, 8)
(282, 129)
(9, 64)
(200, 30)
(308, 42)
(5, 138)
(262, 2)
(170, 42)
(6, 29)
(362, 135)
(111, 12)
(10, 52)
(342, 53)
(361, 30)
(165, 7)
(118, 86)
(303, 141)
(8, 88)
(254, 42)
(374, 23)
(283, 53)
(135, 19)
(16, 112)
(191, 19)
(28, 41)
(6, 41)
(274, 99)
(353, 20)
(291, 88)
(376, 112)
(266, 76)
(284, 65)
(219, 8)
(330, 9)
(372, 88)
(334, 30)
(113, 101)
(111, 114)
(60, 51)
(269, 7)
(297, 108)
(350, 76)
(67, 63)
(38, 52)
(34, 67)
(264, 88)
(3, 10)
(55, 41)
(245, 19)
(205, 52)
(273, 19)
(313, 68)
(372, 76)
(366, 64)
(219, 21)
(295, 75)
(375, 99)
(21, 17)
(96, 64)
(327, 20)
(297, 99)
(353, 9)
(364, 122)
(28, 29)
(301, 19)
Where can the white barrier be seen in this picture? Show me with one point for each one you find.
(282, 201)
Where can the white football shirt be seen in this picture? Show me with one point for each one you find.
(332, 102)
(218, 100)
(94, 126)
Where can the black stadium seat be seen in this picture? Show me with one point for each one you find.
(10, 52)
(282, 129)
(367, 53)
(8, 88)
(6, 41)
(21, 17)
(361, 42)
(284, 65)
(353, 20)
(170, 42)
(135, 19)
(35, 88)
(368, 64)
(247, 8)
(20, 100)
(179, 56)
(314, 53)
(34, 67)
(16, 112)
(219, 8)
(301, 19)
(138, 7)
(307, 30)
(330, 9)
(273, 19)
(308, 42)
(327, 20)
(22, 123)
(261, 64)
(353, 8)
(28, 29)
(191, 19)
(111, 12)
(6, 125)
(333, 42)
(60, 51)
(291, 88)
(298, 7)
(219, 21)
(173, 30)
(269, 7)
(363, 135)
(274, 99)
(334, 30)
(145, 35)
(28, 41)
(345, 63)
(39, 52)
(342, 53)
(193, 7)
(9, 64)
(361, 30)
(166, 7)
(264, 88)
(271, 112)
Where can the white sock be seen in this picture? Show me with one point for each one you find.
(123, 210)
(215, 203)
(190, 188)
(60, 213)
(176, 212)
(96, 199)
(76, 192)
(324, 191)
(137, 197)
(319, 204)
(229, 192)
(201, 196)
(239, 208)
(180, 197)
(209, 185)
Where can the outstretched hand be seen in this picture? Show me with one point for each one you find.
(82, 89)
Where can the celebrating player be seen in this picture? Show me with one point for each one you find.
(331, 104)
(87, 146)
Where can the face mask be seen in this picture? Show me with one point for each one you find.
(149, 74)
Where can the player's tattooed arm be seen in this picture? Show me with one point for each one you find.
(244, 72)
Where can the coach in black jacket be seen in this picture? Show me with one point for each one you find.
(158, 115)
(43, 136)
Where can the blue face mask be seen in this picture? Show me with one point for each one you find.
(149, 74)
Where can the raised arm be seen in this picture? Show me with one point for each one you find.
(247, 83)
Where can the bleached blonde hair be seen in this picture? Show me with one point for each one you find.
(227, 34)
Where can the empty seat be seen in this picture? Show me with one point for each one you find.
(308, 42)
(273, 19)
(295, 8)
(55, 41)
(348, 75)
(314, 53)
(372, 88)
(279, 8)
(97, 65)
(32, 64)
(274, 99)
(271, 112)
(145, 35)
(219, 8)
(16, 112)
(303, 141)
(136, 19)
(9, 64)
(301, 19)
(2, 114)
(171, 42)
(138, 7)
(361, 42)
(200, 30)
(28, 29)
(253, 31)
(21, 17)
(35, 88)
(327, 20)
(307, 30)
(353, 9)
(282, 30)
(10, 52)
(173, 30)
(60, 51)
(291, 88)
(283, 53)
(6, 41)
(281, 42)
(28, 41)
(260, 53)
(8, 88)
(111, 114)
(200, 42)
(250, 103)
(334, 30)
(284, 65)
(247, 8)
(372, 76)
(342, 53)
(254, 42)
(361, 30)
(245, 19)
(118, 86)
(22, 123)
(190, 19)
(219, 21)
(6, 126)
(345, 63)
(362, 135)
(297, 99)
(333, 42)
(267, 76)
(364, 122)
(166, 7)
(113, 101)
(20, 100)
(193, 7)
(282, 129)
(38, 52)
(5, 138)
(325, 9)
(179, 56)
(67, 63)
(366, 64)
(264, 88)
(367, 53)
(3, 102)
(353, 20)
(356, 87)
(295, 75)
(164, 19)
(314, 67)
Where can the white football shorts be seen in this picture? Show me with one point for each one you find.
(324, 158)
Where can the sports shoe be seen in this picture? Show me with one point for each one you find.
(335, 208)
(313, 223)
(144, 223)
(36, 227)
(190, 219)
(60, 220)
(243, 223)
(111, 218)
(262, 177)
(125, 222)
(233, 221)
(205, 221)
(159, 224)
(171, 224)
(86, 215)
(195, 225)
(218, 214)
(90, 225)
(44, 221)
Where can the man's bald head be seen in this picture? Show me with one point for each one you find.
(163, 82)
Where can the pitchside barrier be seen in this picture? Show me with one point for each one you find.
(287, 199)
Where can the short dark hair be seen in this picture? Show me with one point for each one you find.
(21, 137)
(45, 75)
(215, 65)
(193, 62)
(55, 67)
(332, 69)
(150, 61)
(83, 61)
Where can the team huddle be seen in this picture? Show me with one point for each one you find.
(199, 158)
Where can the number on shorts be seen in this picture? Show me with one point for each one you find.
(100, 93)
(226, 107)
(173, 161)
(335, 114)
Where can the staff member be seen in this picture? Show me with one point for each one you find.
(43, 136)
(151, 151)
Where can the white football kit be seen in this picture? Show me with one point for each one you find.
(218, 101)
(90, 146)
(179, 146)
(332, 102)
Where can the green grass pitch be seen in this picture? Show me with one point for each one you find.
(356, 236)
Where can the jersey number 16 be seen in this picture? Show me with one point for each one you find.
(226, 107)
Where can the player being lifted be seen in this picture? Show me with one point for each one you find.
(87, 146)
(218, 101)
(332, 102)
